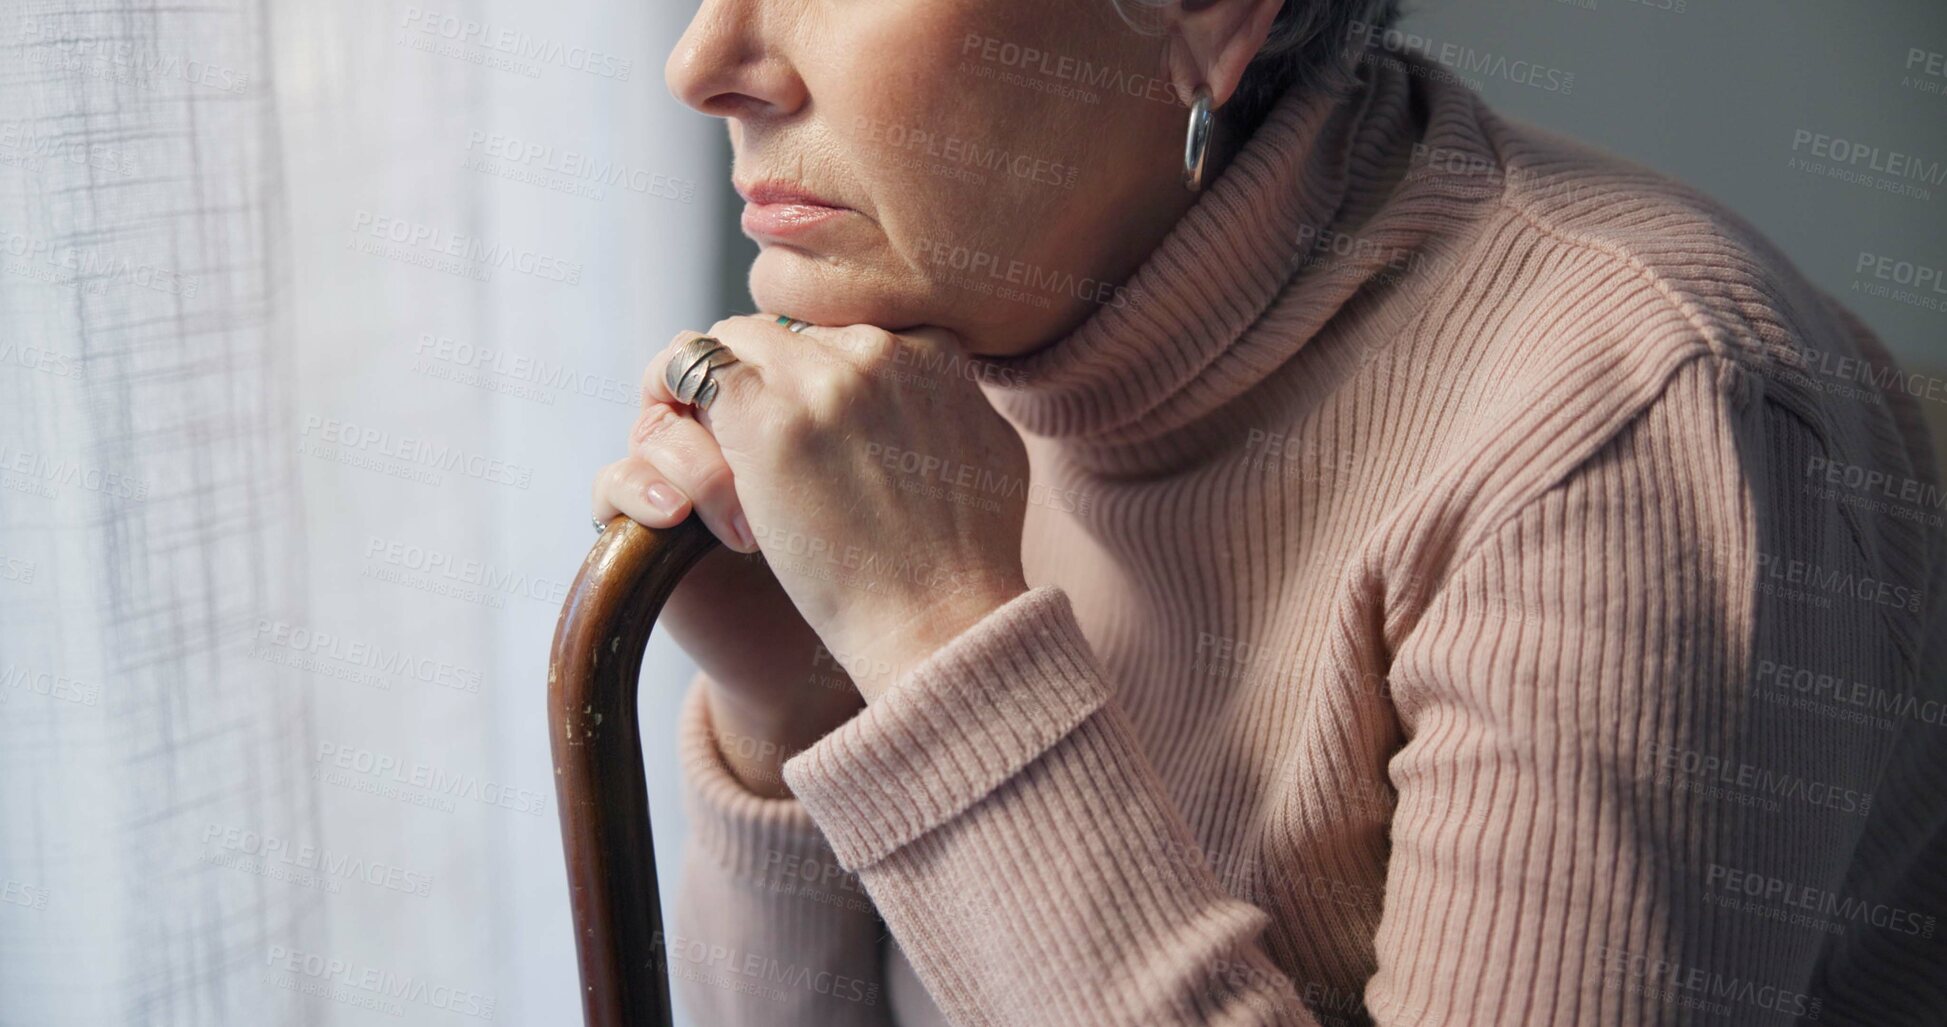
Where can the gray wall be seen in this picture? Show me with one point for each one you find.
(1716, 95)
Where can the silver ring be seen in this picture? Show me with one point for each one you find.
(792, 324)
(688, 373)
(601, 526)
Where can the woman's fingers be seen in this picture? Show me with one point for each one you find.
(633, 487)
(684, 452)
(674, 467)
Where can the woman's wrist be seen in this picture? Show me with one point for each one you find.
(909, 633)
(755, 738)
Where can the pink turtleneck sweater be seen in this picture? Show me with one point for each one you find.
(1473, 609)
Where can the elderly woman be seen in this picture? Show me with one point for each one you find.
(1341, 559)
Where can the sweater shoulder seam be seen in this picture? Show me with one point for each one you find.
(1512, 199)
(1732, 387)
(1701, 320)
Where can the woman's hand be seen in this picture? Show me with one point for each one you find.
(885, 493)
(767, 701)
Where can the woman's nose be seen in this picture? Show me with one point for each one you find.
(728, 65)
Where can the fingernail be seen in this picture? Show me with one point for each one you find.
(663, 498)
(740, 527)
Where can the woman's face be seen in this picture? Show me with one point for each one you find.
(992, 167)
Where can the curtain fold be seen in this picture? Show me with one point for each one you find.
(149, 515)
(315, 323)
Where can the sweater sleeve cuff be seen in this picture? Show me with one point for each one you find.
(760, 841)
(952, 730)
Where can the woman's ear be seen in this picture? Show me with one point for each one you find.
(1211, 42)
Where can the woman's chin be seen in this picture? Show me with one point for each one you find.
(822, 291)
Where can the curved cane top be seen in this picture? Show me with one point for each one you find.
(598, 776)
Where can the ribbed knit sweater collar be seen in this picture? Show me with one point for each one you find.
(1183, 344)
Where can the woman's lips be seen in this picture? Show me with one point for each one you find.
(779, 210)
(785, 220)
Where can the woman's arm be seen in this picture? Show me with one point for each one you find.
(1560, 855)
(1020, 847)
(1612, 810)
(769, 931)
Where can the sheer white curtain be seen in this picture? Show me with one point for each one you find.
(316, 321)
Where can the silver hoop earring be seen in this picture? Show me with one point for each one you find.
(1196, 144)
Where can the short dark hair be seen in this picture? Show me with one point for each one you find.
(1314, 45)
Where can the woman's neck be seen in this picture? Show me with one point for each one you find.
(1171, 343)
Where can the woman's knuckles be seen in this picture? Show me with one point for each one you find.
(713, 486)
(739, 388)
(831, 395)
(872, 348)
(605, 482)
(655, 422)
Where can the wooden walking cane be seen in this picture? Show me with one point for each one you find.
(598, 776)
